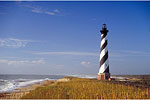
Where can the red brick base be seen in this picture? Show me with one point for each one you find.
(103, 76)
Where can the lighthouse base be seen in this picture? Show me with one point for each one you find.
(103, 76)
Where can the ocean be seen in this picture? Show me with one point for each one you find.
(10, 83)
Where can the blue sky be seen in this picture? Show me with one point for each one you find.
(64, 37)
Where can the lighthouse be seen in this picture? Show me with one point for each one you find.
(103, 73)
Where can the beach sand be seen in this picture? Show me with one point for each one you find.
(24, 90)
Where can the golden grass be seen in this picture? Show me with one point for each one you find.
(79, 88)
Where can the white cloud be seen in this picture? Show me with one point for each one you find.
(112, 53)
(44, 12)
(85, 63)
(41, 10)
(20, 62)
(67, 53)
(88, 63)
(40, 61)
(36, 10)
(49, 13)
(14, 43)
(56, 10)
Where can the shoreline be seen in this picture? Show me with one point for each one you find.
(19, 92)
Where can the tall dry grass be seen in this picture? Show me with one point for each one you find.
(79, 88)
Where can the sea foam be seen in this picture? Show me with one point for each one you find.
(12, 85)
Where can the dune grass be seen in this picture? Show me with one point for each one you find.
(79, 88)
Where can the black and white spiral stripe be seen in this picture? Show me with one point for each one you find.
(104, 63)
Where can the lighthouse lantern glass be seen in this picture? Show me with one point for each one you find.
(104, 26)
